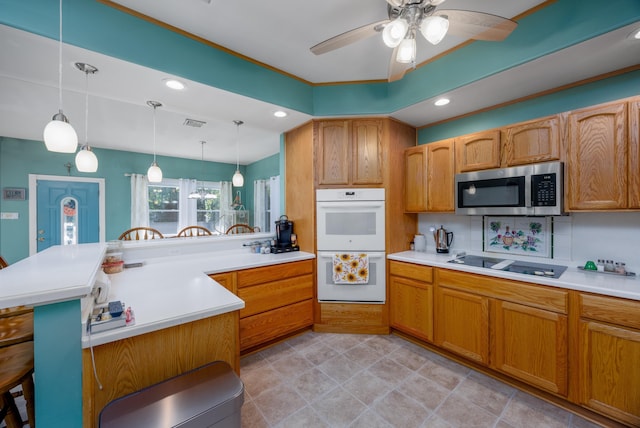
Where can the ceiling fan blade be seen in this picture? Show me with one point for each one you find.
(346, 38)
(477, 25)
(396, 69)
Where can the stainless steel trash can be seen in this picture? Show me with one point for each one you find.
(209, 396)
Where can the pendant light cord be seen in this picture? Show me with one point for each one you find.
(238, 123)
(154, 134)
(60, 60)
(86, 109)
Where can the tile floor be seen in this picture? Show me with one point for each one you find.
(344, 380)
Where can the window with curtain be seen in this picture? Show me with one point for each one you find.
(171, 209)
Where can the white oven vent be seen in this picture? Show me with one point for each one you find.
(194, 123)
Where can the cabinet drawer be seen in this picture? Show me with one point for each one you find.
(262, 328)
(611, 309)
(271, 295)
(514, 291)
(412, 271)
(273, 273)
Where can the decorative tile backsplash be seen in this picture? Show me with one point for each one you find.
(529, 236)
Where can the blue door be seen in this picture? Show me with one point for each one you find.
(67, 213)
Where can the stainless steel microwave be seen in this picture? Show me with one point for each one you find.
(534, 189)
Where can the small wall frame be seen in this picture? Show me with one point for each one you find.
(14, 193)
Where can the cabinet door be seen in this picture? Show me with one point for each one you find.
(227, 280)
(478, 151)
(534, 141)
(415, 179)
(634, 153)
(531, 344)
(411, 305)
(440, 176)
(333, 152)
(366, 145)
(597, 158)
(610, 372)
(462, 324)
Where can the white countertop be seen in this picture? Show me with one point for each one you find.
(56, 274)
(573, 278)
(172, 290)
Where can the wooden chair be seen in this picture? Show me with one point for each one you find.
(140, 233)
(241, 228)
(191, 231)
(16, 369)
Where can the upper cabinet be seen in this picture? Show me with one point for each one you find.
(634, 153)
(478, 151)
(349, 152)
(429, 177)
(597, 159)
(532, 141)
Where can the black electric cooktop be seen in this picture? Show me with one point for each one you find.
(515, 266)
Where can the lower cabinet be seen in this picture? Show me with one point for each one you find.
(531, 344)
(411, 299)
(610, 357)
(517, 328)
(463, 324)
(278, 300)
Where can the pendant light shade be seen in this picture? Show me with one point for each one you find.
(434, 28)
(59, 135)
(86, 160)
(407, 51)
(238, 179)
(154, 173)
(394, 32)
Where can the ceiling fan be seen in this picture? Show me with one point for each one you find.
(407, 18)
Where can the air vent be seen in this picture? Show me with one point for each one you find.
(194, 123)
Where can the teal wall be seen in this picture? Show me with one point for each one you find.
(623, 86)
(19, 158)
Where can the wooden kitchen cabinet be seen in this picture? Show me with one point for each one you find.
(531, 345)
(411, 299)
(349, 152)
(415, 179)
(597, 167)
(514, 327)
(609, 375)
(462, 321)
(634, 153)
(429, 177)
(533, 141)
(227, 280)
(477, 151)
(278, 301)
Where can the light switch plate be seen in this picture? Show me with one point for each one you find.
(9, 216)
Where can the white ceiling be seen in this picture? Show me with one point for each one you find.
(272, 33)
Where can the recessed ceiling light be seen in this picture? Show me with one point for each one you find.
(442, 102)
(174, 84)
(280, 113)
(636, 34)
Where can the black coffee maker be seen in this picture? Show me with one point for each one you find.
(286, 240)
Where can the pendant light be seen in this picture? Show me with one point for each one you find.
(154, 173)
(86, 160)
(59, 135)
(200, 193)
(238, 179)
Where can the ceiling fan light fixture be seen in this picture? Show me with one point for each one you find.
(394, 32)
(434, 28)
(407, 51)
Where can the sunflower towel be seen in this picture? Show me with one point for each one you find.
(350, 268)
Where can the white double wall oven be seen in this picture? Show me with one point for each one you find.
(351, 223)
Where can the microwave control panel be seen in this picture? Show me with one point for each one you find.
(543, 190)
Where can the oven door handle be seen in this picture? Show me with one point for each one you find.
(348, 205)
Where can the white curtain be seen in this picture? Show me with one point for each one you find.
(139, 201)
(260, 204)
(274, 188)
(188, 215)
(226, 199)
